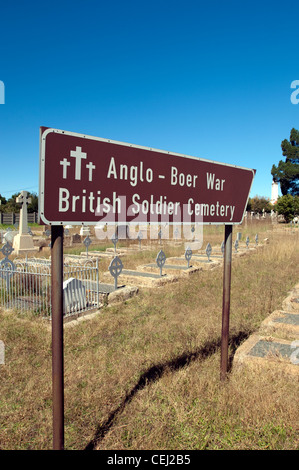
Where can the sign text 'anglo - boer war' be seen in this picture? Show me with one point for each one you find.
(85, 180)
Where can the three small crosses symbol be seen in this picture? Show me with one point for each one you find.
(79, 156)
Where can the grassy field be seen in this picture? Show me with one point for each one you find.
(145, 374)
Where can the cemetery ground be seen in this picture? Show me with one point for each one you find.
(144, 373)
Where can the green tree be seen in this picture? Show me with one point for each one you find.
(33, 206)
(288, 206)
(3, 201)
(12, 206)
(258, 203)
(287, 172)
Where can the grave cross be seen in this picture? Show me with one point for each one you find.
(140, 237)
(160, 235)
(24, 200)
(115, 268)
(188, 256)
(6, 265)
(208, 251)
(160, 260)
(87, 242)
(114, 240)
(222, 249)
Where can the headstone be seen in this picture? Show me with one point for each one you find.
(23, 242)
(74, 296)
(76, 238)
(9, 236)
(122, 231)
(84, 231)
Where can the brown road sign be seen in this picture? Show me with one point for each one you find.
(84, 180)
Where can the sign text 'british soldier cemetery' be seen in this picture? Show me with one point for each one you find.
(85, 180)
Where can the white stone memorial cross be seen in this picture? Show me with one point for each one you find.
(23, 241)
(24, 200)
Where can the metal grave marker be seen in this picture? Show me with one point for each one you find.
(208, 251)
(140, 237)
(236, 245)
(160, 235)
(222, 248)
(247, 242)
(114, 240)
(188, 256)
(87, 242)
(160, 260)
(6, 265)
(115, 268)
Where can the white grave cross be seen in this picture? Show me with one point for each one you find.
(24, 200)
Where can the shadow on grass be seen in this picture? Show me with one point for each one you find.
(156, 372)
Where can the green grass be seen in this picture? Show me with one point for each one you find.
(145, 374)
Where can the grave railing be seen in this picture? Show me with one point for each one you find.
(25, 285)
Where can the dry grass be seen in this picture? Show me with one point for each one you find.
(145, 374)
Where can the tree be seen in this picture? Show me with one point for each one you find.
(258, 203)
(287, 172)
(33, 206)
(12, 206)
(288, 206)
(3, 202)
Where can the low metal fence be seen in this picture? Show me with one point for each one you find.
(25, 285)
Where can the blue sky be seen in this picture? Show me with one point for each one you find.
(207, 79)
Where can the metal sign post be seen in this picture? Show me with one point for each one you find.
(57, 335)
(226, 300)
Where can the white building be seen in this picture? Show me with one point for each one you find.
(274, 192)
